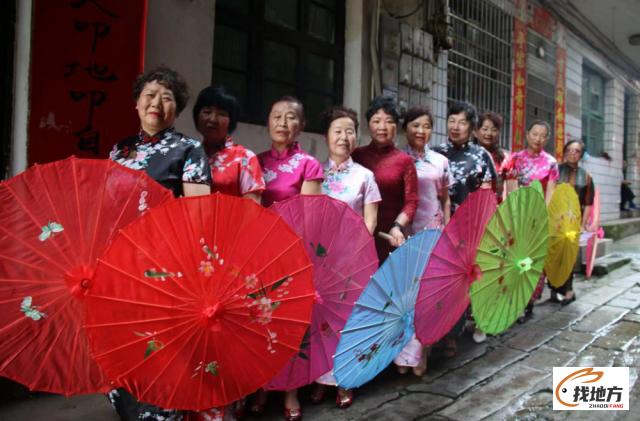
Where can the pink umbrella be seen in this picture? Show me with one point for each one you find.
(593, 229)
(445, 284)
(344, 258)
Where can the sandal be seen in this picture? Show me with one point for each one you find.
(450, 351)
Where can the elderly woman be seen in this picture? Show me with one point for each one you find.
(531, 164)
(472, 168)
(487, 135)
(352, 183)
(434, 207)
(173, 160)
(235, 170)
(287, 171)
(582, 182)
(394, 172)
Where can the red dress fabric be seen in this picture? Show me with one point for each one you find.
(235, 170)
(397, 179)
(498, 183)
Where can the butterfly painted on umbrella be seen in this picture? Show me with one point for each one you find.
(31, 311)
(49, 231)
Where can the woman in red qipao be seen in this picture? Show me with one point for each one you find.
(395, 174)
(235, 170)
(487, 135)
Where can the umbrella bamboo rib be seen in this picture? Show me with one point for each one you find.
(34, 250)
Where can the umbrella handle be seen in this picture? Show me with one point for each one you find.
(384, 235)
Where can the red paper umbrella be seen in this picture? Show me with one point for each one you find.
(55, 221)
(444, 287)
(344, 258)
(200, 302)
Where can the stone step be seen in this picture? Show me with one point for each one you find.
(605, 247)
(621, 228)
(635, 213)
(608, 264)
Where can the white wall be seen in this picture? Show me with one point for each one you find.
(606, 174)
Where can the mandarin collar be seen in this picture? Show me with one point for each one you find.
(533, 155)
(227, 144)
(453, 146)
(333, 168)
(291, 150)
(147, 138)
(414, 153)
(385, 150)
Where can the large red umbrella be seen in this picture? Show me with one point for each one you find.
(200, 302)
(444, 287)
(344, 259)
(55, 221)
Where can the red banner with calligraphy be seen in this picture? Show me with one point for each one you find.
(519, 85)
(86, 55)
(561, 67)
(543, 22)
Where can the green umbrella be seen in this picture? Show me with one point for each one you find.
(511, 256)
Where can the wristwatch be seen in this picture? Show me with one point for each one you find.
(397, 224)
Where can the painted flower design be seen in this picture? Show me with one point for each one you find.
(206, 268)
(269, 176)
(252, 281)
(271, 339)
(337, 187)
(153, 345)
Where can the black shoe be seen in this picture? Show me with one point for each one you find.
(555, 300)
(529, 310)
(568, 301)
(522, 319)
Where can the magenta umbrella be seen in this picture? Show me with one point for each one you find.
(344, 258)
(593, 232)
(445, 284)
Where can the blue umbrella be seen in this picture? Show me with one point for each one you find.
(382, 320)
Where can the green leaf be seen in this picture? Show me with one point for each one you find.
(254, 295)
(275, 305)
(277, 284)
(305, 345)
(494, 251)
(386, 306)
(140, 334)
(304, 357)
(149, 349)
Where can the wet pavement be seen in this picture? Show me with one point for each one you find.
(506, 378)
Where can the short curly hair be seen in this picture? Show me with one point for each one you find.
(387, 104)
(493, 117)
(168, 78)
(332, 114)
(470, 112)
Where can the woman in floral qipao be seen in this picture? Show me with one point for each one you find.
(354, 184)
(434, 207)
(523, 167)
(487, 135)
(173, 160)
(287, 171)
(235, 170)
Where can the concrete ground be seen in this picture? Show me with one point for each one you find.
(506, 378)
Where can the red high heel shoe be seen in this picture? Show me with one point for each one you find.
(344, 401)
(317, 394)
(293, 414)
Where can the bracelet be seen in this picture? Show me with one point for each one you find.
(397, 224)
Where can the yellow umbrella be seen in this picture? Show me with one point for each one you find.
(564, 234)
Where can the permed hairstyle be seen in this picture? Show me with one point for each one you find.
(218, 97)
(384, 103)
(168, 78)
(540, 123)
(416, 112)
(469, 111)
(332, 114)
(571, 142)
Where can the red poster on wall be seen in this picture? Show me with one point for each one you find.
(86, 55)
(561, 65)
(543, 22)
(519, 85)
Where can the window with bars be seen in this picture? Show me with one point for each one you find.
(592, 110)
(480, 62)
(265, 49)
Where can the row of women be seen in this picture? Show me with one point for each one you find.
(399, 192)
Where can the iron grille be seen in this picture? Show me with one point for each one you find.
(480, 62)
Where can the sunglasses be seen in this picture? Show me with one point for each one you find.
(572, 150)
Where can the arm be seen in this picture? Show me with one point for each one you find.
(410, 203)
(371, 216)
(585, 217)
(551, 187)
(512, 185)
(445, 201)
(626, 182)
(312, 187)
(194, 189)
(485, 185)
(396, 233)
(254, 195)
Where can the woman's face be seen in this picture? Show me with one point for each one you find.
(341, 137)
(213, 124)
(419, 132)
(285, 123)
(537, 137)
(382, 128)
(458, 128)
(573, 153)
(156, 107)
(487, 135)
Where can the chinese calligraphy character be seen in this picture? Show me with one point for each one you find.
(100, 30)
(614, 391)
(581, 393)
